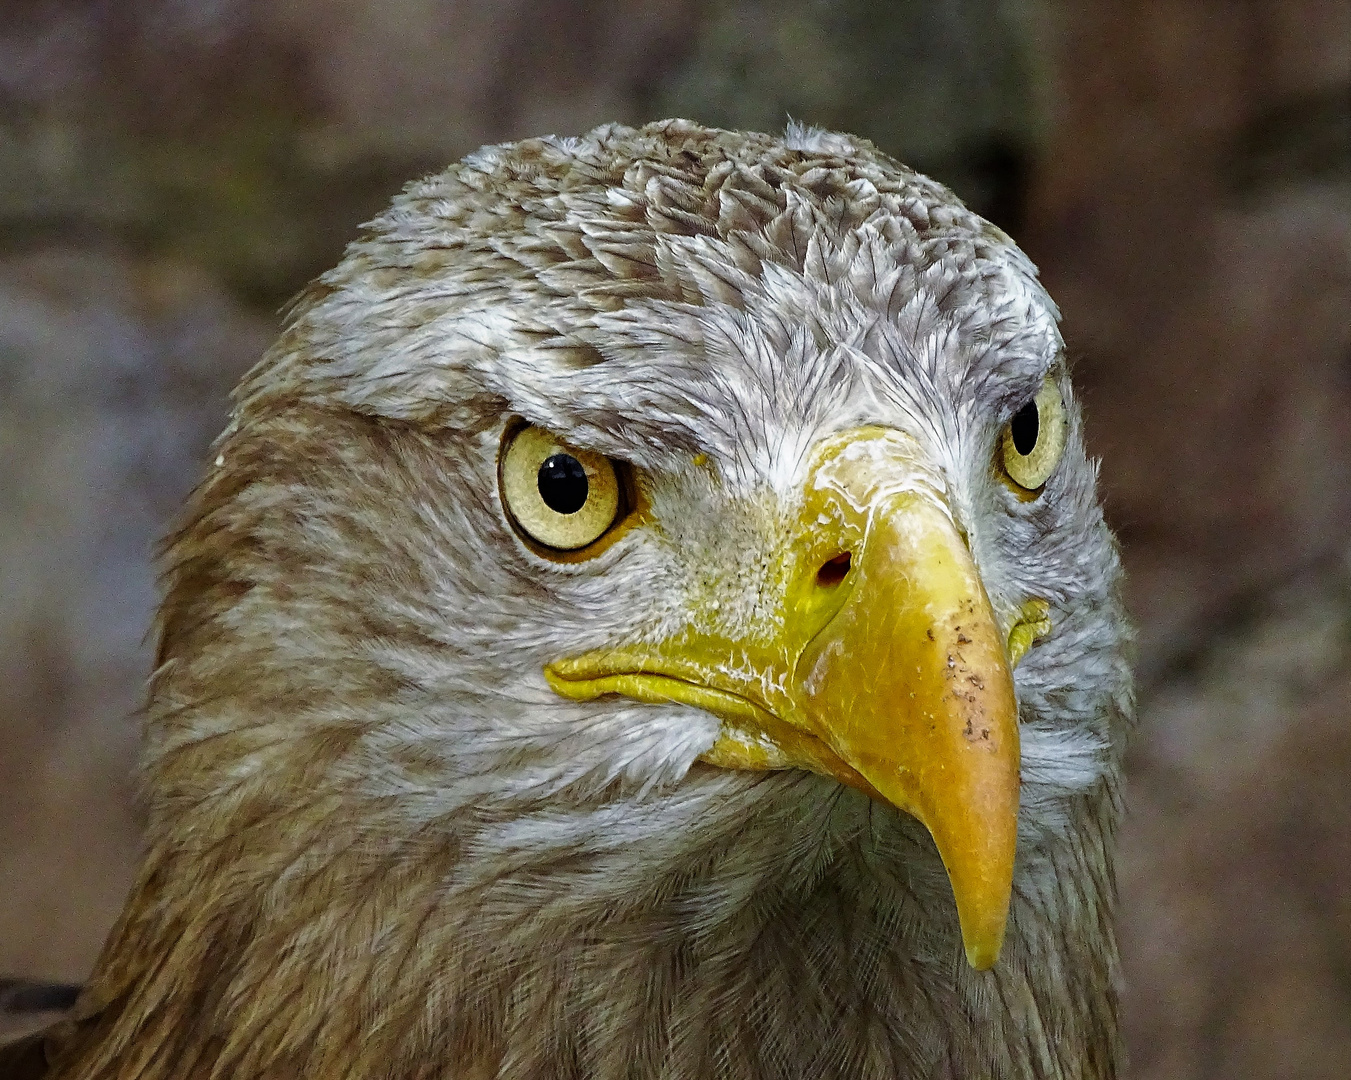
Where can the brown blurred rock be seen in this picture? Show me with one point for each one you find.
(113, 380)
(1236, 866)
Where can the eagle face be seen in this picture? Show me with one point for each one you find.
(642, 552)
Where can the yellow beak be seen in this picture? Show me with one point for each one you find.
(884, 669)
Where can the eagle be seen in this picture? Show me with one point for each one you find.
(649, 615)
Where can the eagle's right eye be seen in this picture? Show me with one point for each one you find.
(559, 496)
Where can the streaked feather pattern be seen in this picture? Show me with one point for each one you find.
(380, 846)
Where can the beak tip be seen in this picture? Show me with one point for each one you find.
(982, 955)
(983, 921)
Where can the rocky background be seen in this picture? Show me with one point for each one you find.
(171, 170)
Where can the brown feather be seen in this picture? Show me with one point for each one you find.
(313, 900)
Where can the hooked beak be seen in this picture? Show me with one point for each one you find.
(885, 669)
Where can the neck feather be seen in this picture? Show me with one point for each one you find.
(287, 942)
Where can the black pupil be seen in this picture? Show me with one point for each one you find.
(1024, 428)
(562, 484)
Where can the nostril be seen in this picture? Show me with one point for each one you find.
(833, 571)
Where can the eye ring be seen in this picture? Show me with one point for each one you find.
(1033, 441)
(559, 497)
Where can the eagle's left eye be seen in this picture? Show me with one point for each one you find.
(1034, 439)
(560, 496)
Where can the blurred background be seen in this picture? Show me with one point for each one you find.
(172, 170)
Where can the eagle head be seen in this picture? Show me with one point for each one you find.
(649, 614)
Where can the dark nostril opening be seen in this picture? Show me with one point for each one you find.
(834, 570)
